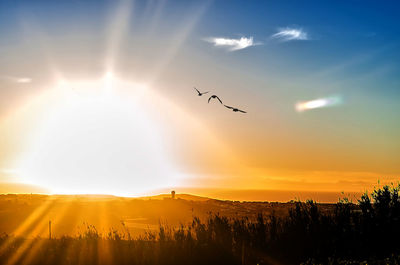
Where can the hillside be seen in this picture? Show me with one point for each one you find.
(69, 213)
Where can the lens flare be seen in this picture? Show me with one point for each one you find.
(318, 103)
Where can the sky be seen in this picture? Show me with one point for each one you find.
(98, 97)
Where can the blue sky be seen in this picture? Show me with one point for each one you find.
(263, 56)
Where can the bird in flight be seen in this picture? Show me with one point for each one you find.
(235, 109)
(215, 96)
(200, 93)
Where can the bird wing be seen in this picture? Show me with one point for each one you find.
(197, 90)
(209, 99)
(229, 107)
(205, 92)
(219, 99)
(242, 111)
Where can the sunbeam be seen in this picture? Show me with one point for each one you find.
(117, 31)
(178, 40)
(23, 229)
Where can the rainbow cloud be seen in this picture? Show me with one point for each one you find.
(318, 103)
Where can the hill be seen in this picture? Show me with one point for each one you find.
(69, 213)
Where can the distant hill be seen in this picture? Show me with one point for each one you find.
(11, 187)
(187, 197)
(259, 195)
(201, 194)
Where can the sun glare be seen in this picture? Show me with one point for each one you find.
(97, 138)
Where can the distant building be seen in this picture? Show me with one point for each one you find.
(173, 194)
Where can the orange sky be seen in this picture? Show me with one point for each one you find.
(112, 108)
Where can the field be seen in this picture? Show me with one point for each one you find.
(196, 230)
(28, 215)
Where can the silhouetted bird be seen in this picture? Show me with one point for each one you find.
(235, 109)
(215, 96)
(200, 93)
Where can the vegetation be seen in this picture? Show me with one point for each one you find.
(366, 232)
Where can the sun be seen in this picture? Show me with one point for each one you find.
(97, 137)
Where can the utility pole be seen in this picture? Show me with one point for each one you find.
(49, 229)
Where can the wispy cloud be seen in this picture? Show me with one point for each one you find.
(21, 80)
(288, 34)
(233, 44)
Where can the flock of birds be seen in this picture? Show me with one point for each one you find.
(220, 101)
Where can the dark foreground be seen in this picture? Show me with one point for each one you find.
(366, 233)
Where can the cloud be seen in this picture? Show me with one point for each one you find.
(288, 34)
(233, 44)
(24, 80)
(21, 80)
(318, 103)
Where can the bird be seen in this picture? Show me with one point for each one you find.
(235, 109)
(200, 93)
(215, 96)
